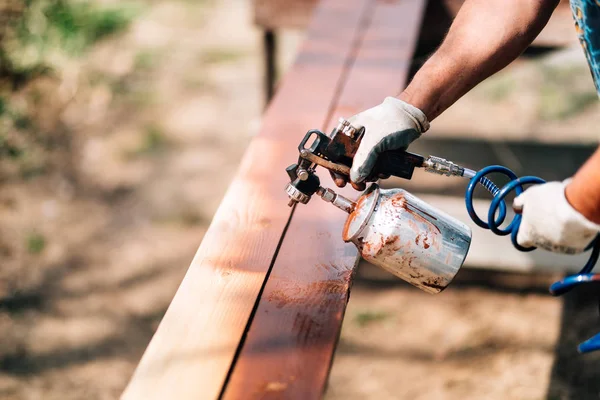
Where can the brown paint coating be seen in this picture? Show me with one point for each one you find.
(194, 347)
(291, 340)
(402, 249)
(425, 237)
(434, 284)
(425, 244)
(359, 212)
(399, 201)
(345, 142)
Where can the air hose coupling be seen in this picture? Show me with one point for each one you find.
(441, 166)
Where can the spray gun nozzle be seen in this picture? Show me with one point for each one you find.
(337, 200)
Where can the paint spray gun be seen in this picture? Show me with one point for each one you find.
(391, 228)
(401, 233)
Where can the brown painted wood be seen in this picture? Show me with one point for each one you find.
(289, 347)
(276, 14)
(192, 351)
(295, 14)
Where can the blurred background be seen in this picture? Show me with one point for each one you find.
(121, 126)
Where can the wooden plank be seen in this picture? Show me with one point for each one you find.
(295, 14)
(290, 343)
(191, 353)
(276, 14)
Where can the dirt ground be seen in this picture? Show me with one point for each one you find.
(90, 259)
(472, 342)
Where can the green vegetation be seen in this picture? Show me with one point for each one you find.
(21, 121)
(498, 88)
(154, 139)
(560, 104)
(8, 149)
(35, 243)
(197, 81)
(37, 38)
(221, 55)
(186, 216)
(193, 217)
(366, 317)
(565, 92)
(153, 142)
(79, 25)
(48, 30)
(145, 60)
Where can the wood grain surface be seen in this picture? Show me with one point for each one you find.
(191, 353)
(295, 14)
(290, 344)
(276, 14)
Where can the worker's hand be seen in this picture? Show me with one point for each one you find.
(550, 222)
(392, 125)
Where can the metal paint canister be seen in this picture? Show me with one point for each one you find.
(404, 235)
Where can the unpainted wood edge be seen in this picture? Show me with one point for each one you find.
(255, 307)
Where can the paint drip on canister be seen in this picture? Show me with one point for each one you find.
(404, 235)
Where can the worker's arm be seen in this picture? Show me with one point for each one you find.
(583, 192)
(484, 38)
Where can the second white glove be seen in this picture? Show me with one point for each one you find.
(550, 222)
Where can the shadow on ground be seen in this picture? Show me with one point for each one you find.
(577, 376)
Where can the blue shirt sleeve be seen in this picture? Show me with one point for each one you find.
(586, 14)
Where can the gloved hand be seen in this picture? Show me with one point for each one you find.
(392, 125)
(550, 222)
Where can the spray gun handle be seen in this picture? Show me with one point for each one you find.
(398, 163)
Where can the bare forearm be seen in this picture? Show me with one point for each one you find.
(484, 38)
(584, 190)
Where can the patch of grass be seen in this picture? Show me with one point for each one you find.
(48, 30)
(10, 150)
(133, 91)
(154, 140)
(35, 243)
(119, 87)
(142, 96)
(21, 121)
(197, 81)
(565, 92)
(221, 56)
(562, 75)
(559, 105)
(193, 217)
(365, 318)
(498, 88)
(185, 216)
(145, 61)
(81, 24)
(31, 170)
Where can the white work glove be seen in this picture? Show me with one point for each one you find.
(392, 125)
(550, 222)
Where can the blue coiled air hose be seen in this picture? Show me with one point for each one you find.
(498, 206)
